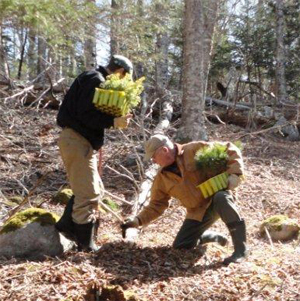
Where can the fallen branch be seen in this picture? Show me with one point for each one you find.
(264, 130)
(165, 118)
(19, 93)
(228, 104)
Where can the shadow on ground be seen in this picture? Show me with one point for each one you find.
(129, 262)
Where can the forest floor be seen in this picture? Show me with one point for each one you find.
(151, 269)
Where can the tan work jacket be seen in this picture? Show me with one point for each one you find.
(167, 185)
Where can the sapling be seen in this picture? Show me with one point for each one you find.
(212, 161)
(117, 96)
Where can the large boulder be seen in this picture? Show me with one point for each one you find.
(280, 227)
(31, 234)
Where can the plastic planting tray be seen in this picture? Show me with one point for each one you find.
(111, 102)
(214, 184)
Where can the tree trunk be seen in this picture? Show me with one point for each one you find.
(139, 66)
(4, 69)
(90, 43)
(31, 54)
(280, 53)
(199, 22)
(90, 53)
(22, 55)
(116, 5)
(162, 47)
(41, 66)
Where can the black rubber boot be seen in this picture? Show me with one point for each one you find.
(85, 235)
(211, 236)
(66, 225)
(238, 234)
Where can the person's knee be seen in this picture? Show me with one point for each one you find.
(220, 196)
(221, 199)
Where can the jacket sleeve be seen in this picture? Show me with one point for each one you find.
(159, 202)
(86, 111)
(235, 163)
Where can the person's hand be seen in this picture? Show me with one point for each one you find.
(234, 181)
(122, 122)
(129, 223)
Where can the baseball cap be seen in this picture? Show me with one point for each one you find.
(124, 62)
(154, 143)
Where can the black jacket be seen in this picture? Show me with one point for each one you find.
(78, 112)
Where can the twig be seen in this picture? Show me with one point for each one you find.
(111, 211)
(187, 295)
(124, 176)
(19, 93)
(25, 200)
(151, 107)
(269, 237)
(130, 174)
(117, 198)
(265, 130)
(38, 271)
(135, 151)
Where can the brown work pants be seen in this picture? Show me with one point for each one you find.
(80, 161)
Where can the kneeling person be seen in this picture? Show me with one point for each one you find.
(179, 178)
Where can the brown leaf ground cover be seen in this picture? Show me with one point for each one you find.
(151, 268)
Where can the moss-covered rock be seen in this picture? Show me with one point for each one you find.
(280, 227)
(63, 196)
(20, 219)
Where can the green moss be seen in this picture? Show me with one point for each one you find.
(16, 199)
(30, 215)
(111, 204)
(275, 222)
(63, 196)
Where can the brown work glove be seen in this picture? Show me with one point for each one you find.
(122, 122)
(129, 223)
(234, 181)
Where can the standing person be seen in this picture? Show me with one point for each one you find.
(82, 135)
(179, 178)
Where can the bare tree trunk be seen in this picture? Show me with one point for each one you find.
(4, 69)
(41, 66)
(90, 53)
(139, 67)
(162, 47)
(73, 66)
(31, 54)
(22, 55)
(116, 5)
(280, 53)
(199, 21)
(90, 43)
